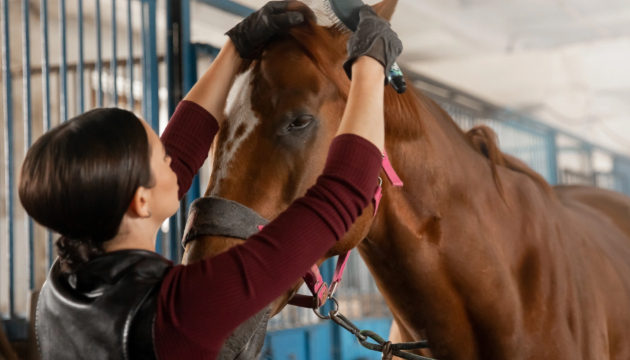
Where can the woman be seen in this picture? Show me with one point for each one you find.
(106, 183)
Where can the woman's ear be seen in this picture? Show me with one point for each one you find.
(140, 203)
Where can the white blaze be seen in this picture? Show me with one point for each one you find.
(239, 114)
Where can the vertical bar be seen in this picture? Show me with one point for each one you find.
(174, 84)
(28, 133)
(99, 56)
(114, 57)
(150, 100)
(145, 54)
(8, 144)
(130, 100)
(173, 51)
(80, 67)
(63, 66)
(552, 156)
(189, 56)
(46, 99)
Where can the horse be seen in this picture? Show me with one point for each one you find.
(477, 253)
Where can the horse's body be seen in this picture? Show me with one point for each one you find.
(482, 273)
(476, 253)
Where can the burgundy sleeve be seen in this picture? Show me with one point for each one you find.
(187, 139)
(201, 304)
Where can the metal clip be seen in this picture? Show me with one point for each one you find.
(388, 353)
(332, 312)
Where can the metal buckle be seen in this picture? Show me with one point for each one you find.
(332, 289)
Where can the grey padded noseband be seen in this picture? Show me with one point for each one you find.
(221, 217)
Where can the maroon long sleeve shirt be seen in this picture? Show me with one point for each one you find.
(201, 304)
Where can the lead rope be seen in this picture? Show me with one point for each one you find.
(385, 347)
(321, 293)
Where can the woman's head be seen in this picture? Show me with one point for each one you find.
(82, 178)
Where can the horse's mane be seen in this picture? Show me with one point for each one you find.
(484, 140)
(323, 41)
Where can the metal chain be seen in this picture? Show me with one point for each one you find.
(385, 347)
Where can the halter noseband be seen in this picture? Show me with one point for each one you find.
(215, 216)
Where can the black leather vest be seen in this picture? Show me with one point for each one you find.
(104, 311)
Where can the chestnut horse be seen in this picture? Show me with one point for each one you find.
(476, 253)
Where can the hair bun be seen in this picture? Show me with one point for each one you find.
(73, 253)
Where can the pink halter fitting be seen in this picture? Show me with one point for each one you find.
(313, 278)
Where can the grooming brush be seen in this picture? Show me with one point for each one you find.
(348, 13)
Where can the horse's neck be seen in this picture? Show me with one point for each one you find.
(429, 150)
(406, 246)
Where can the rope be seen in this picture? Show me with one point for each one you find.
(382, 346)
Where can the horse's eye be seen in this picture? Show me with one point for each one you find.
(300, 123)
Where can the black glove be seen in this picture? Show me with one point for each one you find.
(251, 34)
(374, 38)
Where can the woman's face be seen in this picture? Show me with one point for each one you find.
(164, 201)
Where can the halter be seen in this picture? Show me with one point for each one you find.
(313, 278)
(215, 216)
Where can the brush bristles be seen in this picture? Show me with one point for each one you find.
(325, 15)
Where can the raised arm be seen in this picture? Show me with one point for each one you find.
(372, 49)
(211, 91)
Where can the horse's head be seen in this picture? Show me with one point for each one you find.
(282, 114)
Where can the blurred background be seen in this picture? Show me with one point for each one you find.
(550, 77)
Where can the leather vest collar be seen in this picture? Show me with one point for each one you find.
(105, 310)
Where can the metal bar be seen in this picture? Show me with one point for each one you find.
(99, 56)
(8, 145)
(174, 85)
(114, 58)
(189, 56)
(152, 68)
(46, 100)
(150, 101)
(230, 6)
(63, 69)
(173, 55)
(28, 131)
(552, 155)
(80, 67)
(130, 100)
(145, 52)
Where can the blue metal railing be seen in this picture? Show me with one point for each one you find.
(63, 66)
(29, 275)
(99, 55)
(8, 149)
(80, 69)
(535, 143)
(46, 103)
(130, 99)
(114, 62)
(28, 124)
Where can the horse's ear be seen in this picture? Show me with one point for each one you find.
(386, 9)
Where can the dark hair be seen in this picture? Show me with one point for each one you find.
(79, 178)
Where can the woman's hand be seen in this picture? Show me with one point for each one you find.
(246, 39)
(372, 49)
(251, 34)
(374, 38)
